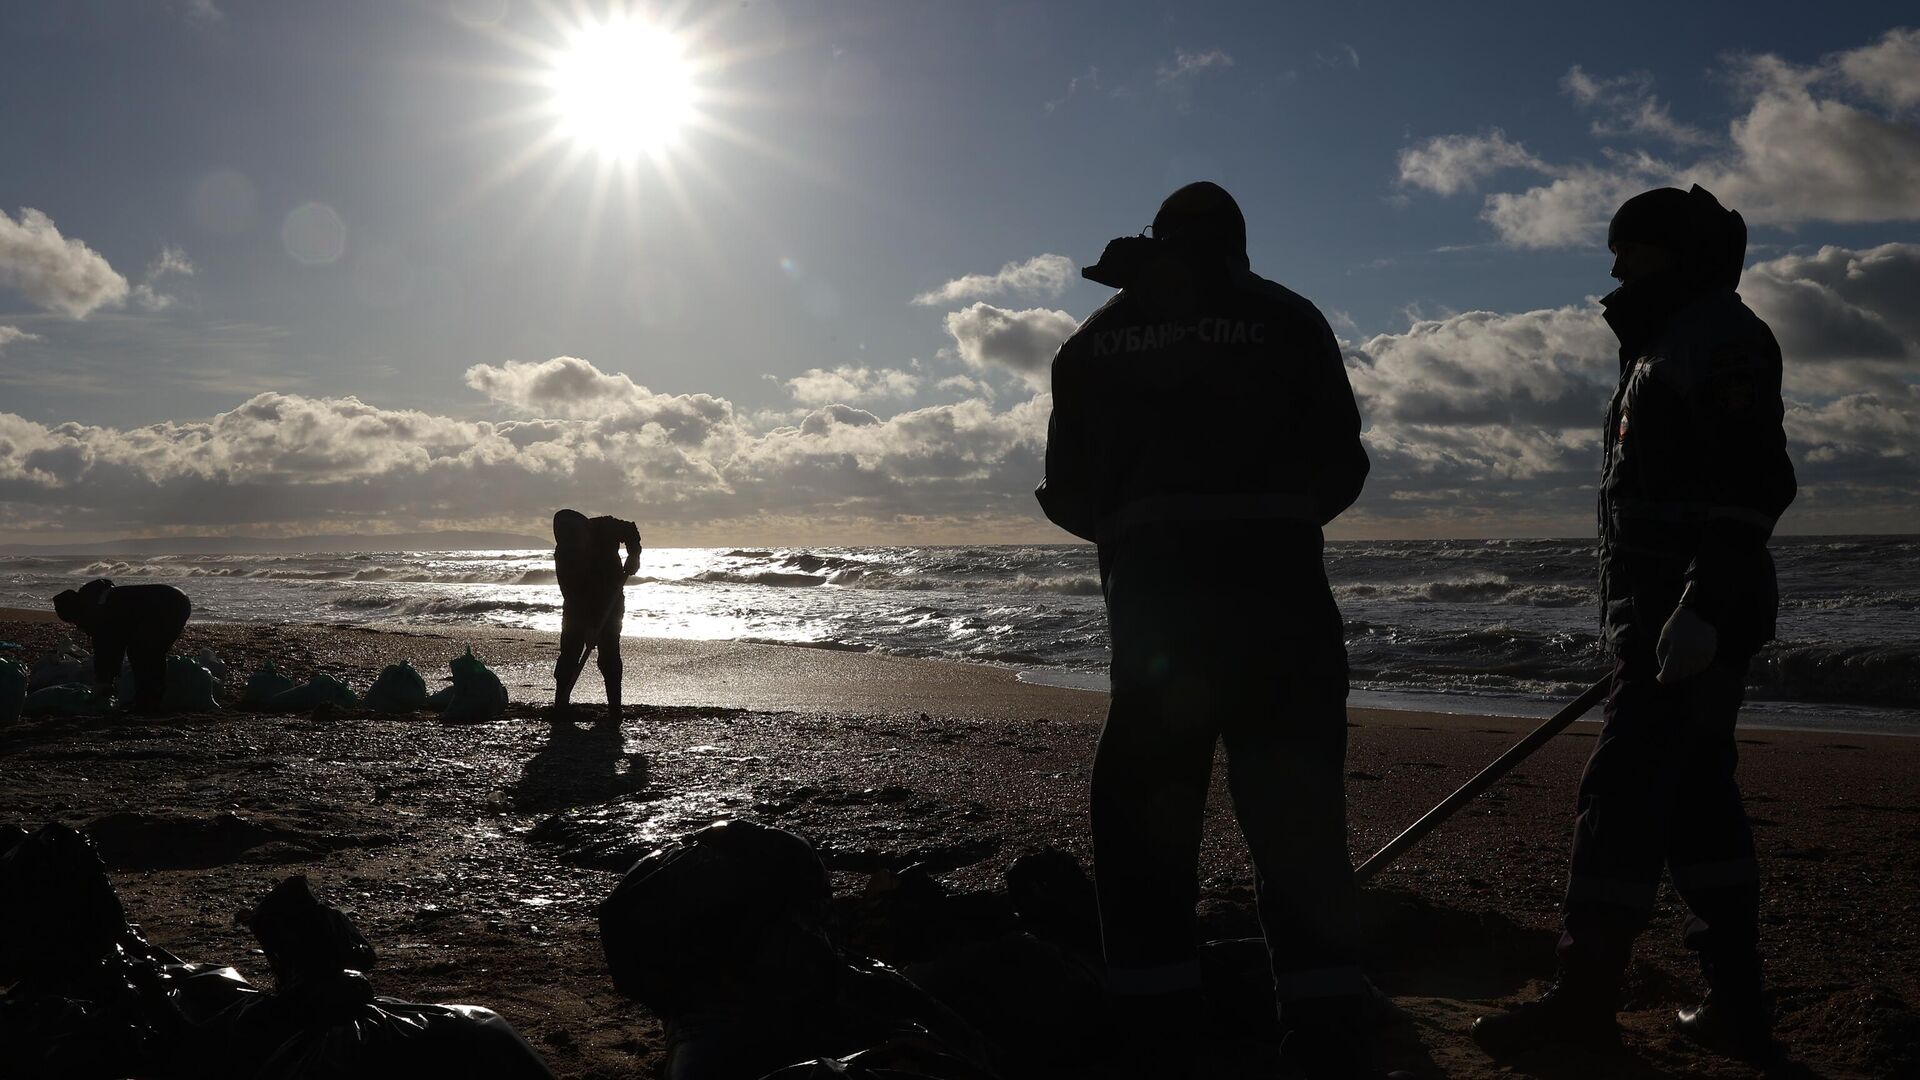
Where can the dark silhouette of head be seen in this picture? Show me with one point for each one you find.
(1703, 240)
(67, 605)
(1203, 218)
(569, 528)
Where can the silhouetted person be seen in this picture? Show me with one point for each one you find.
(1202, 423)
(136, 622)
(586, 560)
(1696, 474)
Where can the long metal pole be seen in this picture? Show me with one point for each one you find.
(1483, 780)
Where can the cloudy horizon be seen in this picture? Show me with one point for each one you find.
(829, 320)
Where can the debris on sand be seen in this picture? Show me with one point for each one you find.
(90, 997)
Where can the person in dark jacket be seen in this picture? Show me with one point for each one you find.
(1696, 474)
(592, 577)
(1203, 432)
(136, 622)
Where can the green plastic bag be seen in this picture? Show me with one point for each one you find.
(13, 690)
(321, 689)
(190, 687)
(265, 685)
(478, 695)
(398, 689)
(67, 699)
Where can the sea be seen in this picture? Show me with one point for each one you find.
(1506, 627)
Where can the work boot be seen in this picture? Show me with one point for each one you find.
(1734, 1025)
(1566, 1013)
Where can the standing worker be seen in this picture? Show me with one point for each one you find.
(1205, 412)
(1696, 474)
(586, 561)
(138, 622)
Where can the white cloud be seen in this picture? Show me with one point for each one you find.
(170, 261)
(1799, 156)
(1043, 274)
(1574, 208)
(291, 462)
(1846, 319)
(53, 272)
(1630, 107)
(1448, 164)
(1888, 71)
(11, 334)
(850, 384)
(1798, 153)
(1020, 341)
(1186, 65)
(568, 386)
(1481, 415)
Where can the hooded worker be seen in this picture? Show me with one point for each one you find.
(1203, 432)
(592, 579)
(137, 623)
(1696, 474)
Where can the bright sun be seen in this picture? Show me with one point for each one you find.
(623, 88)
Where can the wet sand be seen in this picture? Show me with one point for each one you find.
(473, 857)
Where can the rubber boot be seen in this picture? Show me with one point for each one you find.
(1736, 1025)
(1571, 1011)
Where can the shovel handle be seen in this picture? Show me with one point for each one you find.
(1482, 780)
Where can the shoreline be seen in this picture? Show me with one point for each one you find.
(685, 656)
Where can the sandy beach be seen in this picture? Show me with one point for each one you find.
(473, 857)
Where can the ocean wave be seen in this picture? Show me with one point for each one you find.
(1490, 589)
(775, 578)
(1822, 671)
(440, 605)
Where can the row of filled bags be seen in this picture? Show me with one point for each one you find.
(476, 693)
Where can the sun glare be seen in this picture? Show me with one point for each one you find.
(623, 88)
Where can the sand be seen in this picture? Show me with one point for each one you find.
(473, 857)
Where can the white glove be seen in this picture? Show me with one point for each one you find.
(1687, 644)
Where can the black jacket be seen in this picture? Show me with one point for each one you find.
(129, 619)
(589, 567)
(1696, 470)
(1217, 397)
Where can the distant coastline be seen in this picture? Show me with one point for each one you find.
(452, 540)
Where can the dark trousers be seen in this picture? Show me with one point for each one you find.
(1659, 792)
(154, 624)
(585, 625)
(1261, 667)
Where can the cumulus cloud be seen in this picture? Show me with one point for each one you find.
(1845, 318)
(53, 272)
(1449, 164)
(1574, 208)
(1047, 275)
(1801, 150)
(296, 462)
(568, 386)
(1023, 342)
(851, 384)
(1802, 156)
(1628, 107)
(11, 334)
(1888, 71)
(1483, 414)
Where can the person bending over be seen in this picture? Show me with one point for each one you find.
(586, 560)
(138, 622)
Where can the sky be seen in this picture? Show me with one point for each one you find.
(773, 272)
